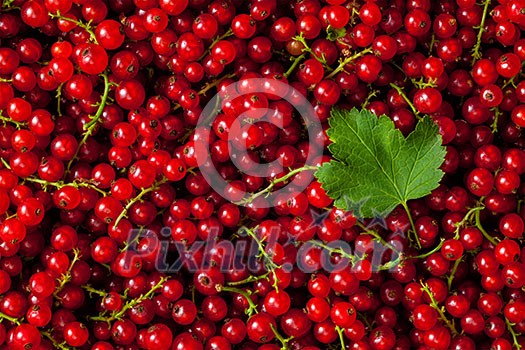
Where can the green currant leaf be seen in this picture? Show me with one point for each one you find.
(375, 168)
(333, 34)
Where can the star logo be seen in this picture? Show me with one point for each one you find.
(318, 218)
(377, 220)
(355, 207)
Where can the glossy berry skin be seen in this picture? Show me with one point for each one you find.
(259, 328)
(152, 185)
(75, 334)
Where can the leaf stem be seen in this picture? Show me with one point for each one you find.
(412, 226)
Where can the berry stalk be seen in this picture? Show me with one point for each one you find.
(476, 51)
(89, 128)
(440, 310)
(274, 182)
(138, 197)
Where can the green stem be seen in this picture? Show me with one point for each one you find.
(476, 51)
(207, 87)
(279, 337)
(467, 218)
(341, 337)
(376, 236)
(429, 253)
(89, 128)
(9, 318)
(60, 184)
(117, 315)
(494, 125)
(402, 258)
(432, 42)
(450, 278)
(509, 82)
(252, 308)
(422, 83)
(7, 5)
(407, 100)
(5, 163)
(132, 242)
(343, 63)
(9, 216)
(214, 83)
(85, 26)
(66, 277)
(363, 317)
(371, 95)
(250, 279)
(332, 250)
(59, 97)
(56, 345)
(440, 310)
(296, 61)
(89, 288)
(268, 261)
(513, 334)
(306, 48)
(215, 41)
(138, 197)
(18, 125)
(274, 182)
(480, 227)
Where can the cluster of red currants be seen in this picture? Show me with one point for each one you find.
(100, 108)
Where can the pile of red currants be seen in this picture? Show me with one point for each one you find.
(114, 235)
